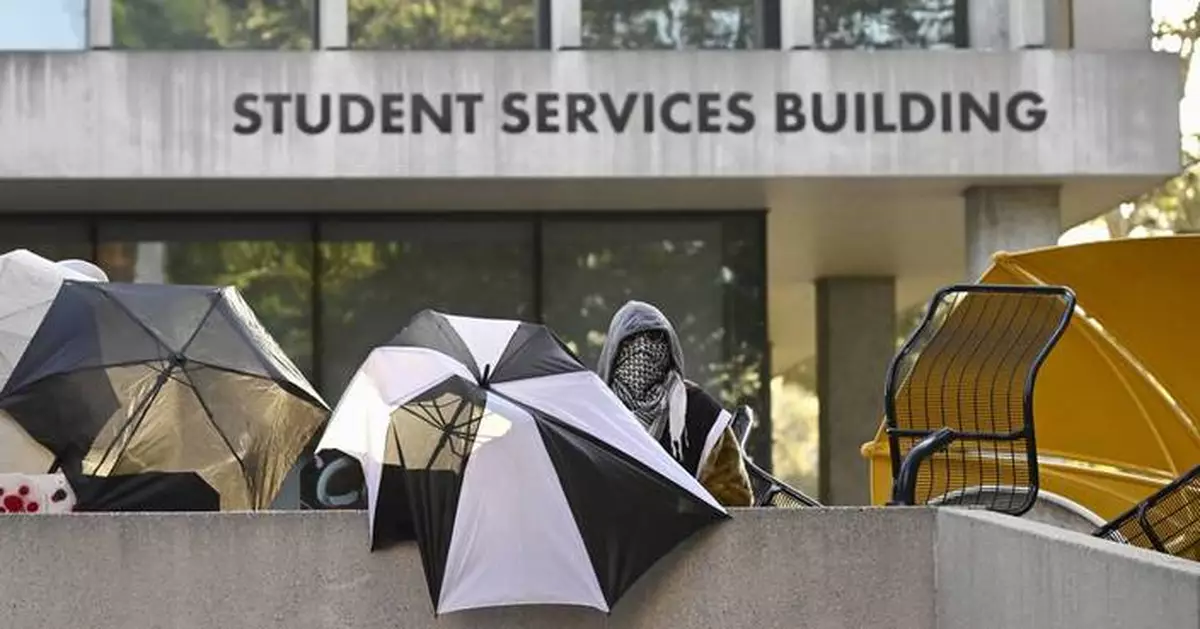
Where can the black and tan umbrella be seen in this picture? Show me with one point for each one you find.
(162, 397)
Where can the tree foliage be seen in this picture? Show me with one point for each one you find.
(427, 24)
(209, 24)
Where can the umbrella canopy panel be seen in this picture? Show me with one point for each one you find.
(523, 479)
(126, 379)
(1122, 388)
(28, 285)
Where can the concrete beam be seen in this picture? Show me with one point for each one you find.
(856, 339)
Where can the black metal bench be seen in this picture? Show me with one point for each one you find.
(768, 490)
(959, 396)
(1168, 521)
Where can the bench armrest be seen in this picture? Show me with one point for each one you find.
(905, 488)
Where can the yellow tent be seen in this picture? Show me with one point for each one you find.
(1116, 402)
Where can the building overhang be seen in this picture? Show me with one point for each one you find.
(763, 115)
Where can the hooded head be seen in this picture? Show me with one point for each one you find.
(642, 363)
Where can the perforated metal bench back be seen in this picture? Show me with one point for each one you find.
(1168, 521)
(970, 366)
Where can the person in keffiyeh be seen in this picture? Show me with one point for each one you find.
(642, 362)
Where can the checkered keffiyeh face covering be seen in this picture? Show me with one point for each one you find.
(642, 365)
(647, 381)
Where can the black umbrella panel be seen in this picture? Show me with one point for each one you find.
(520, 475)
(151, 380)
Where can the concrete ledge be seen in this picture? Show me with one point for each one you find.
(995, 571)
(763, 570)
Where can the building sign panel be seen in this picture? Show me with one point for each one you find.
(764, 114)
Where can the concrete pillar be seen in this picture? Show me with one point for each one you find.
(1002, 218)
(1027, 24)
(856, 339)
(797, 25)
(1017, 24)
(566, 24)
(988, 24)
(333, 25)
(150, 266)
(1112, 25)
(100, 24)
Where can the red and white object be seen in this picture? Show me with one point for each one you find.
(35, 493)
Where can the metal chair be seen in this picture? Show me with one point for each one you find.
(1168, 521)
(959, 396)
(768, 490)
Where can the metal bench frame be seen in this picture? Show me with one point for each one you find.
(1139, 515)
(905, 469)
(766, 488)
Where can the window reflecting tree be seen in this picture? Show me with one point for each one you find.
(209, 24)
(376, 275)
(271, 264)
(433, 24)
(887, 23)
(632, 24)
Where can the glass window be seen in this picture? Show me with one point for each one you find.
(375, 275)
(456, 24)
(269, 262)
(56, 239)
(207, 24)
(628, 24)
(890, 23)
(706, 275)
(43, 25)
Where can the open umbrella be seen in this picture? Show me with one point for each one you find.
(1117, 399)
(520, 475)
(28, 285)
(162, 397)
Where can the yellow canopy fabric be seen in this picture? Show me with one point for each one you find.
(1116, 402)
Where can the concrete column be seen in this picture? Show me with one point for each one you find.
(333, 25)
(566, 24)
(988, 24)
(1009, 219)
(797, 25)
(100, 24)
(1112, 24)
(856, 339)
(150, 266)
(1027, 20)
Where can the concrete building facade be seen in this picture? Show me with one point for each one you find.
(781, 196)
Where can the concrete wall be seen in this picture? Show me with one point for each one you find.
(175, 115)
(313, 570)
(827, 568)
(997, 572)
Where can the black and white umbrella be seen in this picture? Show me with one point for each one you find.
(520, 475)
